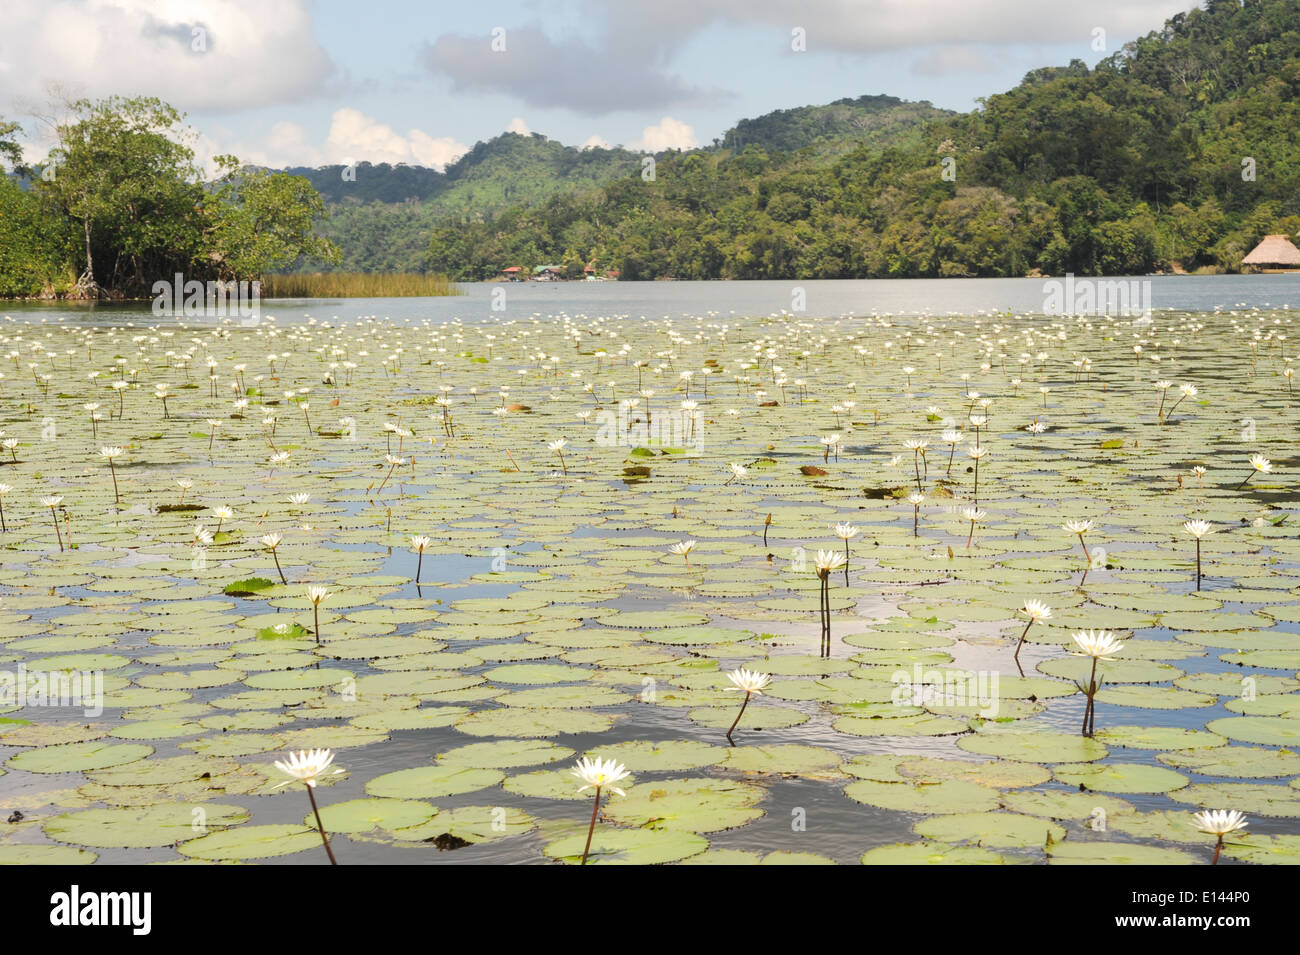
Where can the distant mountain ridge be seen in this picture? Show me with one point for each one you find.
(382, 214)
(877, 122)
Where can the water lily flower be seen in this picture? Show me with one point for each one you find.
(749, 682)
(952, 438)
(1185, 392)
(1080, 528)
(917, 446)
(316, 594)
(271, 542)
(1099, 645)
(598, 774)
(974, 515)
(1036, 611)
(916, 499)
(1219, 822)
(1259, 465)
(827, 562)
(308, 767)
(558, 447)
(53, 501)
(683, 550)
(109, 454)
(1198, 529)
(418, 544)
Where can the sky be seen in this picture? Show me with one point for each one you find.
(315, 82)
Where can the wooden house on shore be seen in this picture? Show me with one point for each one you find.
(1275, 254)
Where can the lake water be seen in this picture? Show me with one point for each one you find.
(554, 645)
(822, 298)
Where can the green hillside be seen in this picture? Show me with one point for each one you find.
(1179, 150)
(381, 219)
(876, 122)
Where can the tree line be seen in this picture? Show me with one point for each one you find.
(119, 203)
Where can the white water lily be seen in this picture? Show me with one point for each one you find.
(306, 766)
(1220, 822)
(1036, 610)
(600, 773)
(683, 550)
(748, 681)
(1100, 644)
(828, 561)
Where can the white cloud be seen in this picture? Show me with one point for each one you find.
(198, 55)
(668, 133)
(595, 142)
(872, 26)
(616, 71)
(632, 48)
(954, 59)
(353, 137)
(517, 125)
(436, 153)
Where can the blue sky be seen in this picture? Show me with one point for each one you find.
(301, 82)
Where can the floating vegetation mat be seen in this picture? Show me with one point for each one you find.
(958, 558)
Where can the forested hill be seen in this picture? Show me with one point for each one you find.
(381, 216)
(876, 122)
(1178, 151)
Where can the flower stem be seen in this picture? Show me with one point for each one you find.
(1089, 710)
(743, 704)
(1016, 655)
(323, 838)
(592, 828)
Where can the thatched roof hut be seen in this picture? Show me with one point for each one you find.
(1275, 252)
